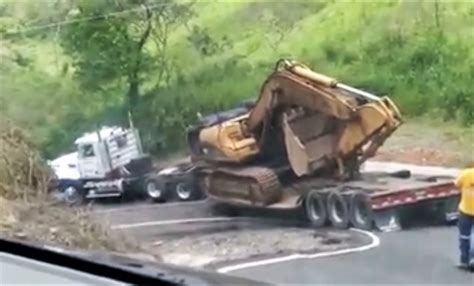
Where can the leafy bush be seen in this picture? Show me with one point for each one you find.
(23, 173)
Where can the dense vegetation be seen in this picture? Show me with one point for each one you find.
(167, 60)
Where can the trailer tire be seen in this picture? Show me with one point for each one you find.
(74, 194)
(361, 213)
(315, 209)
(154, 190)
(338, 211)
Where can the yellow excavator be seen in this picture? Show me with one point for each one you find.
(303, 125)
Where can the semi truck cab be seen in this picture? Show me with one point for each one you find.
(109, 163)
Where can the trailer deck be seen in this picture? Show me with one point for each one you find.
(388, 193)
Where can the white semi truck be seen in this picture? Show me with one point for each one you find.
(111, 163)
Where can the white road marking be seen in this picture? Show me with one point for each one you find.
(175, 221)
(141, 207)
(374, 243)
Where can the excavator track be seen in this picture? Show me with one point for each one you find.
(253, 185)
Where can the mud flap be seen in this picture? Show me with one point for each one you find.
(450, 210)
(451, 217)
(387, 220)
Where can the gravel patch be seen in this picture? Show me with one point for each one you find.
(205, 249)
(429, 143)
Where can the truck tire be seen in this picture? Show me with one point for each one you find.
(315, 209)
(186, 190)
(361, 213)
(155, 190)
(337, 209)
(74, 194)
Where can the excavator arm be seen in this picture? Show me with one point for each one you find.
(331, 121)
(285, 89)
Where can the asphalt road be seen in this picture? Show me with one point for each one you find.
(150, 222)
(416, 256)
(421, 255)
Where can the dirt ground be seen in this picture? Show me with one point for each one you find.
(430, 143)
(208, 249)
(43, 220)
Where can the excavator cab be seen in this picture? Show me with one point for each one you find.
(220, 137)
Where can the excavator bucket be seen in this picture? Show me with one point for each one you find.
(308, 142)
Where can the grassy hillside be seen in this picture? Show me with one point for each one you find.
(418, 52)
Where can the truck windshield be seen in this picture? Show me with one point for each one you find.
(86, 151)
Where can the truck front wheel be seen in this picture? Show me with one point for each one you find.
(73, 194)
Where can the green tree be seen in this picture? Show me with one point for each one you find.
(110, 43)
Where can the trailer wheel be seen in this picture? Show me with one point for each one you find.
(315, 209)
(338, 211)
(73, 194)
(154, 190)
(361, 214)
